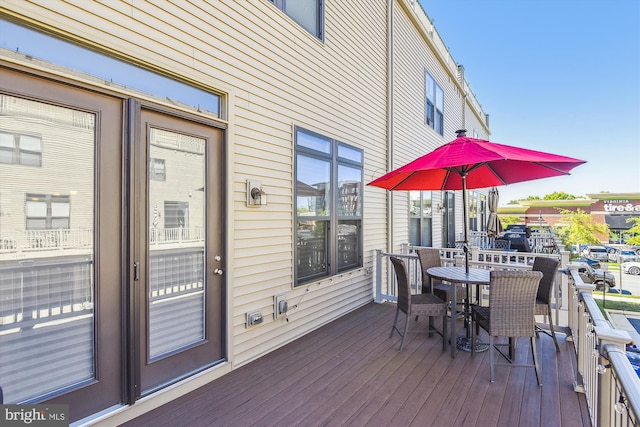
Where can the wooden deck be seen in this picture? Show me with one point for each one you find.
(350, 372)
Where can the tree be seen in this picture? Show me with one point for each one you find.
(580, 228)
(509, 219)
(559, 195)
(635, 230)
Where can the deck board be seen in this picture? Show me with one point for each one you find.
(349, 372)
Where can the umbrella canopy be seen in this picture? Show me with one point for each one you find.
(481, 163)
(474, 163)
(494, 226)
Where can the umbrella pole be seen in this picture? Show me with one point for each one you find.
(465, 246)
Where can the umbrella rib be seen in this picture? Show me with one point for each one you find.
(496, 174)
(560, 171)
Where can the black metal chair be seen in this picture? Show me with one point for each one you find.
(512, 296)
(549, 268)
(416, 305)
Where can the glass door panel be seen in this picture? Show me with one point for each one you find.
(46, 250)
(177, 292)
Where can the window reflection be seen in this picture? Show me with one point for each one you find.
(176, 241)
(349, 185)
(313, 186)
(46, 247)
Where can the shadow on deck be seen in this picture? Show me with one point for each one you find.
(349, 372)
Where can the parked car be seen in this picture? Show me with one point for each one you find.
(596, 252)
(622, 255)
(631, 267)
(592, 262)
(617, 291)
(596, 277)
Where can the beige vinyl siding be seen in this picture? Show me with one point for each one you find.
(412, 136)
(278, 76)
(275, 76)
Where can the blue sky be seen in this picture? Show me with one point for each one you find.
(561, 76)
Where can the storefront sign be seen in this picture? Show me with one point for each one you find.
(621, 206)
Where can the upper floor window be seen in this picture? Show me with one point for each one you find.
(157, 170)
(435, 104)
(328, 206)
(308, 13)
(47, 212)
(20, 149)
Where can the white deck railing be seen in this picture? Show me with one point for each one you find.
(604, 373)
(80, 238)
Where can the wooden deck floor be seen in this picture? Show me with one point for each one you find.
(350, 372)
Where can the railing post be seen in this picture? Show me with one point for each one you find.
(377, 260)
(475, 254)
(606, 398)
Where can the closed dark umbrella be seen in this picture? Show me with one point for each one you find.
(494, 226)
(474, 163)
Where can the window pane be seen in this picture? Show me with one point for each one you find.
(47, 323)
(60, 52)
(349, 153)
(312, 247)
(36, 224)
(177, 292)
(414, 203)
(314, 142)
(30, 143)
(305, 13)
(426, 239)
(348, 247)
(30, 159)
(439, 123)
(6, 155)
(60, 223)
(349, 186)
(430, 86)
(36, 209)
(59, 209)
(430, 114)
(6, 140)
(314, 187)
(439, 98)
(426, 204)
(414, 231)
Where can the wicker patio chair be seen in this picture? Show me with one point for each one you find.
(512, 296)
(430, 257)
(549, 268)
(416, 305)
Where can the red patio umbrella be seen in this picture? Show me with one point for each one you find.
(474, 163)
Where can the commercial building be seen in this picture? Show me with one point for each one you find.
(612, 209)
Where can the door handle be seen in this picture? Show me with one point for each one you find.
(218, 271)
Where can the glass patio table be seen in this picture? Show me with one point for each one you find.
(455, 275)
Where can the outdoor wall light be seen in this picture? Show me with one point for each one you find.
(255, 194)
